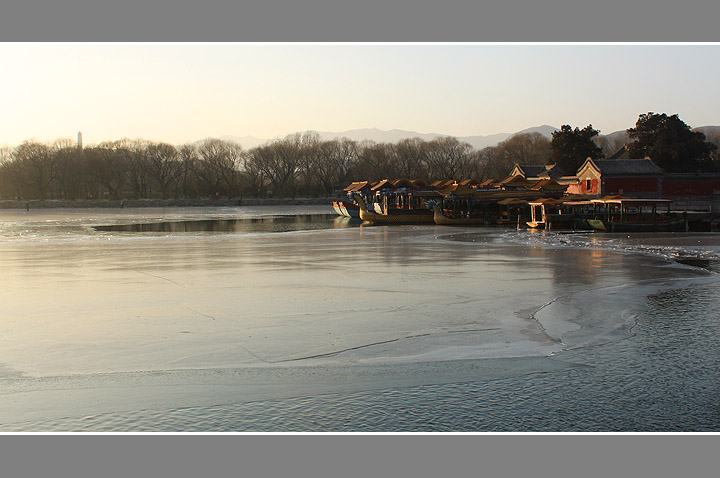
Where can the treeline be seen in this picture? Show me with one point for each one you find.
(299, 165)
(303, 165)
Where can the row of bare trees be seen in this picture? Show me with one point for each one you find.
(120, 169)
(298, 165)
(303, 164)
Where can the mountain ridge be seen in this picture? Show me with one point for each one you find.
(395, 135)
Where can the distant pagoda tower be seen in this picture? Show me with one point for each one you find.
(79, 144)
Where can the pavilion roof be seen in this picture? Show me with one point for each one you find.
(385, 183)
(357, 186)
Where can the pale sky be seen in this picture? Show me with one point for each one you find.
(180, 93)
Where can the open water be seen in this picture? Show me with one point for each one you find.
(294, 320)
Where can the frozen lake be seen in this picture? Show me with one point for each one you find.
(292, 319)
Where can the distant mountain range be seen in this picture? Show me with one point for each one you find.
(395, 135)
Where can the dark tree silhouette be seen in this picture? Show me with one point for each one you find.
(671, 144)
(569, 147)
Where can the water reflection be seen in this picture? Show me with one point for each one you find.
(298, 222)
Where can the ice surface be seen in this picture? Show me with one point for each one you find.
(84, 311)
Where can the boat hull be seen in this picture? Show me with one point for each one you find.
(609, 226)
(399, 216)
(336, 207)
(346, 208)
(421, 217)
(442, 220)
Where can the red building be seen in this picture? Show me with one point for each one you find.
(640, 178)
(681, 185)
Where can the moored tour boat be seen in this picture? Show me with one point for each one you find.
(442, 219)
(346, 208)
(514, 212)
(393, 216)
(546, 213)
(621, 214)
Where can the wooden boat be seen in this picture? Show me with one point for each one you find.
(568, 213)
(442, 219)
(546, 213)
(336, 207)
(514, 213)
(621, 214)
(456, 206)
(346, 208)
(393, 216)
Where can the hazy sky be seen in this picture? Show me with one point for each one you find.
(185, 92)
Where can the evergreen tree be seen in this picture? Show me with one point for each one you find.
(671, 144)
(571, 147)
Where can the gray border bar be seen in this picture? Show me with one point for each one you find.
(356, 21)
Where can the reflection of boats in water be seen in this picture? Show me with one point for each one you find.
(343, 222)
(393, 215)
(346, 208)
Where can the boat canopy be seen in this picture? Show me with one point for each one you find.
(404, 183)
(515, 182)
(357, 186)
(457, 190)
(544, 201)
(489, 183)
(442, 183)
(384, 184)
(512, 202)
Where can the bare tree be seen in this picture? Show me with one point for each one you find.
(375, 162)
(253, 173)
(188, 156)
(333, 161)
(5, 154)
(449, 158)
(411, 158)
(206, 168)
(307, 147)
(38, 167)
(11, 177)
(105, 166)
(133, 153)
(279, 161)
(217, 167)
(70, 174)
(612, 143)
(163, 166)
(713, 136)
(231, 170)
(477, 167)
(526, 148)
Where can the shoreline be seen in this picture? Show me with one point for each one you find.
(121, 203)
